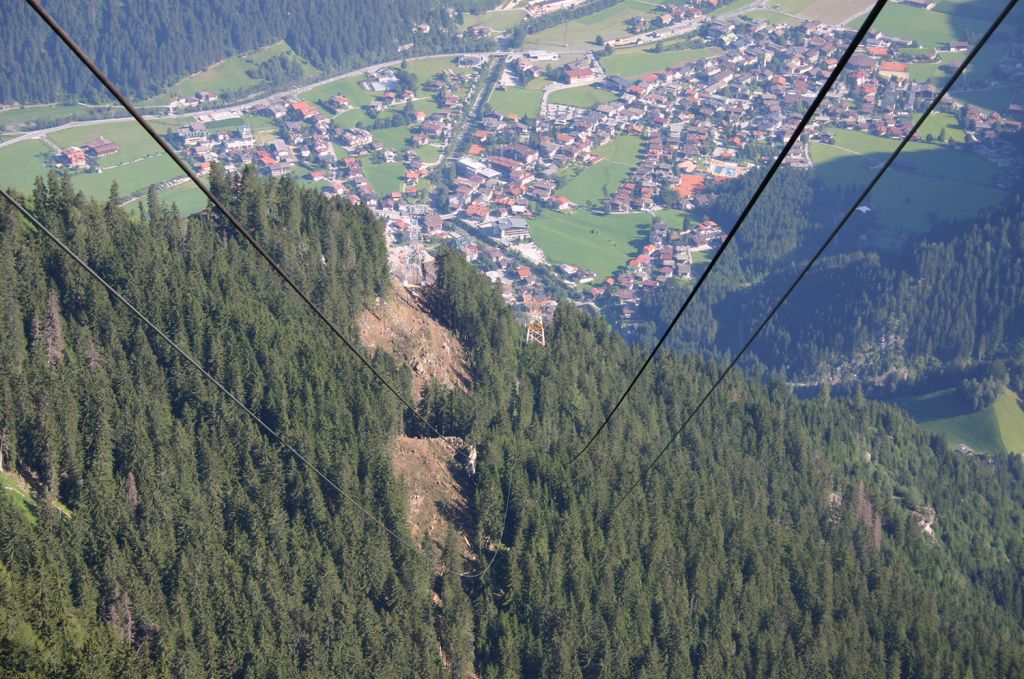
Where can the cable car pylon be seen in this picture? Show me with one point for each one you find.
(535, 323)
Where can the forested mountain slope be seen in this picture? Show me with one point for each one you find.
(768, 545)
(781, 539)
(949, 302)
(196, 546)
(147, 45)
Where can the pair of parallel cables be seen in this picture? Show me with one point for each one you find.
(837, 70)
(646, 469)
(278, 269)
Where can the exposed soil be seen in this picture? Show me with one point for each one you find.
(401, 326)
(435, 482)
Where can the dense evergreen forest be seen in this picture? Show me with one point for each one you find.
(147, 46)
(195, 546)
(780, 538)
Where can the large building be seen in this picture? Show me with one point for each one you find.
(512, 229)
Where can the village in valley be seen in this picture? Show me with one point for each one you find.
(582, 173)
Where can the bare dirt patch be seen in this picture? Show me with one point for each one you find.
(434, 481)
(401, 326)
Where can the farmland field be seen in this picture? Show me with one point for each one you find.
(581, 33)
(584, 96)
(135, 176)
(516, 101)
(229, 75)
(928, 182)
(20, 164)
(602, 179)
(385, 178)
(928, 29)
(599, 243)
(499, 20)
(637, 61)
(996, 429)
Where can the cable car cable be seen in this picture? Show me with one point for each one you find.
(169, 150)
(808, 115)
(864, 194)
(195, 364)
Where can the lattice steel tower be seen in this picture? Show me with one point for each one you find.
(535, 323)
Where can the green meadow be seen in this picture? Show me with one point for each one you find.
(998, 428)
(927, 29)
(517, 101)
(581, 33)
(601, 243)
(600, 180)
(929, 182)
(583, 96)
(21, 163)
(633, 62)
(230, 74)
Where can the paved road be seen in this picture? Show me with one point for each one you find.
(247, 103)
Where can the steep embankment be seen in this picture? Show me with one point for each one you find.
(435, 481)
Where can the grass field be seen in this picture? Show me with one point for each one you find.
(937, 122)
(581, 33)
(230, 75)
(20, 164)
(793, 6)
(425, 69)
(637, 61)
(385, 177)
(731, 6)
(516, 101)
(995, 99)
(135, 176)
(496, 19)
(772, 17)
(599, 243)
(584, 96)
(393, 137)
(538, 83)
(927, 183)
(602, 179)
(133, 141)
(347, 87)
(830, 11)
(188, 197)
(428, 153)
(996, 429)
(928, 29)
(16, 117)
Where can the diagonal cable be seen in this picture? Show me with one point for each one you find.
(188, 357)
(835, 232)
(187, 169)
(833, 76)
(124, 101)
